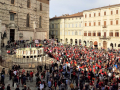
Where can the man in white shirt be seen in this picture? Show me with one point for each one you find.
(15, 72)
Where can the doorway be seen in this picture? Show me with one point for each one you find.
(104, 45)
(12, 35)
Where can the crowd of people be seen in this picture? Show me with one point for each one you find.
(75, 68)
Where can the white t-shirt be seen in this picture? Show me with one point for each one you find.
(41, 86)
(15, 72)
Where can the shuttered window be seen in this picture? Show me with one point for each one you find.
(99, 14)
(85, 34)
(116, 22)
(116, 11)
(98, 34)
(94, 24)
(111, 12)
(111, 34)
(111, 22)
(104, 13)
(94, 34)
(85, 24)
(89, 15)
(89, 34)
(89, 23)
(104, 23)
(116, 34)
(98, 23)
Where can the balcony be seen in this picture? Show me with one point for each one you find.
(105, 38)
(104, 26)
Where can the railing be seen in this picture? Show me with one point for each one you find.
(103, 37)
(104, 26)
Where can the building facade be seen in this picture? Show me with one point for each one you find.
(24, 19)
(67, 28)
(100, 27)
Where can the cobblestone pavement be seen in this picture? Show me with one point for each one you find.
(28, 84)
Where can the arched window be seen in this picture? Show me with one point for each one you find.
(28, 3)
(12, 1)
(40, 6)
(28, 20)
(40, 22)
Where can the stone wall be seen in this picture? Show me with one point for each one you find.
(20, 10)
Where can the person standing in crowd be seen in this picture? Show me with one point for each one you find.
(8, 87)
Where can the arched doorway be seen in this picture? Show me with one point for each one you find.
(104, 45)
(85, 43)
(118, 45)
(91, 43)
(71, 41)
(111, 45)
(75, 41)
(95, 44)
(66, 40)
(79, 41)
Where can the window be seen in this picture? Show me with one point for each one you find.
(94, 23)
(65, 32)
(111, 12)
(116, 22)
(104, 13)
(60, 33)
(99, 14)
(56, 33)
(89, 23)
(79, 32)
(85, 33)
(72, 32)
(116, 11)
(69, 25)
(99, 23)
(104, 23)
(111, 34)
(76, 33)
(56, 25)
(116, 34)
(11, 16)
(76, 25)
(94, 14)
(68, 32)
(80, 25)
(52, 25)
(89, 15)
(85, 24)
(28, 20)
(111, 22)
(65, 25)
(40, 6)
(89, 34)
(12, 1)
(60, 26)
(28, 3)
(40, 22)
(98, 34)
(72, 25)
(94, 34)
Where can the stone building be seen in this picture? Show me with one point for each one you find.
(23, 19)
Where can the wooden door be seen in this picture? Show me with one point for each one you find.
(104, 44)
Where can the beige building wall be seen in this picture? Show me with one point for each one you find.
(68, 29)
(105, 40)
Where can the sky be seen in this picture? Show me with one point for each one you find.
(60, 7)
